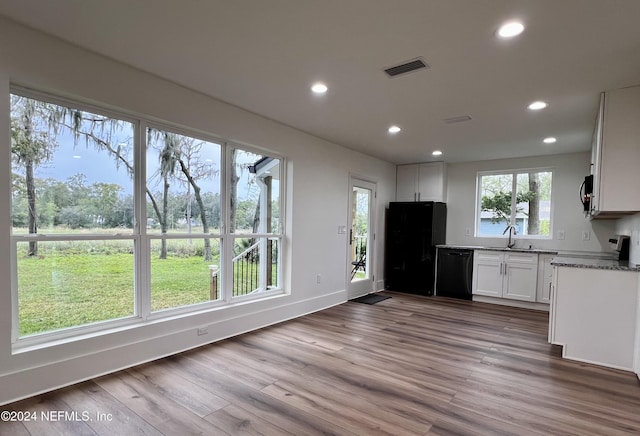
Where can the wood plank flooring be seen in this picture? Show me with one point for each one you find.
(407, 365)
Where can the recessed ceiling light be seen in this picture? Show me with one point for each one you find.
(549, 140)
(537, 105)
(77, 157)
(510, 29)
(394, 129)
(319, 88)
(436, 153)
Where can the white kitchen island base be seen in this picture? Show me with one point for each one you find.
(594, 316)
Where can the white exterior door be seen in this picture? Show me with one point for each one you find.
(360, 237)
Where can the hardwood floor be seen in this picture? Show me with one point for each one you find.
(407, 365)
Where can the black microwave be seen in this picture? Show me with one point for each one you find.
(586, 192)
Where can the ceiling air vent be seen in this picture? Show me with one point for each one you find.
(459, 119)
(406, 67)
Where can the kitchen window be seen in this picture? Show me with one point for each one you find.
(117, 220)
(521, 199)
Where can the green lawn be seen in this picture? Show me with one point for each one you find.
(71, 287)
(62, 291)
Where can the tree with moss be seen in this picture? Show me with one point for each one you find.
(31, 146)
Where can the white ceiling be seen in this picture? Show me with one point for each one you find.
(263, 55)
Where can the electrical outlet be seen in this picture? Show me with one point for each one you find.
(203, 331)
(561, 235)
(467, 231)
(586, 235)
(318, 278)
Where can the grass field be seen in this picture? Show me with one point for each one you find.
(74, 290)
(80, 282)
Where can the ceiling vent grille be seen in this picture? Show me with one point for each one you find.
(459, 119)
(406, 67)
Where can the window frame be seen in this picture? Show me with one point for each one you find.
(228, 276)
(142, 313)
(513, 215)
(25, 342)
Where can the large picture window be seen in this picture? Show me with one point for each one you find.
(72, 216)
(517, 198)
(115, 219)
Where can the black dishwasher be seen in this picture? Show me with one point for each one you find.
(454, 273)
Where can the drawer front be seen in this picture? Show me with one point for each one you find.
(488, 256)
(522, 258)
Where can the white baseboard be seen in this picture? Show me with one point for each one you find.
(513, 303)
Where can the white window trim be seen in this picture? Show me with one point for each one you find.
(513, 172)
(142, 314)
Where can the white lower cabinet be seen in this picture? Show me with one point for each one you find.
(545, 278)
(594, 316)
(510, 275)
(487, 273)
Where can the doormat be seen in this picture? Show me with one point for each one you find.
(370, 299)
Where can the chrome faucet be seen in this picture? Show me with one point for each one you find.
(512, 232)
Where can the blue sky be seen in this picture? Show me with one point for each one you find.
(71, 158)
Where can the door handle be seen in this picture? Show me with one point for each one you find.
(350, 236)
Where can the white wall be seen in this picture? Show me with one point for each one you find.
(568, 173)
(317, 201)
(630, 226)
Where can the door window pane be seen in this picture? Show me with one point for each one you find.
(360, 212)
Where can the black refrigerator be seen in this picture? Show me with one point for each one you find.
(412, 232)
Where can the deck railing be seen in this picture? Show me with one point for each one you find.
(250, 274)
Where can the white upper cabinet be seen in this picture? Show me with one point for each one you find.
(616, 154)
(421, 182)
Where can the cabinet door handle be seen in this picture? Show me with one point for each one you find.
(501, 264)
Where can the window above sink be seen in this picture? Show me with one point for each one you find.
(520, 198)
